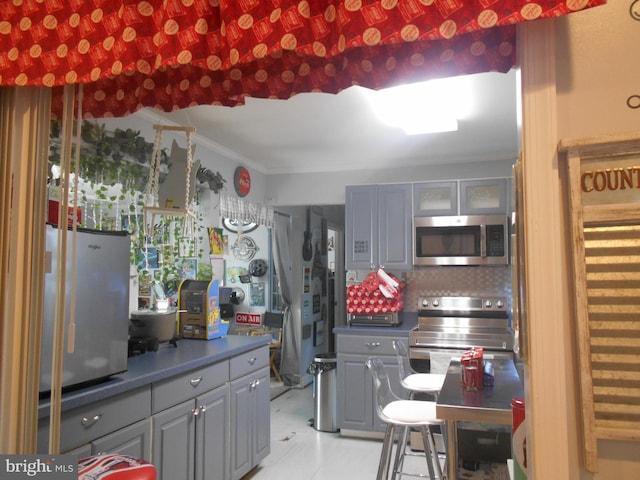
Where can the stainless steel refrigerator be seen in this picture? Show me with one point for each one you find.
(101, 307)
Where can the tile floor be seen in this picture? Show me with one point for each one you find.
(300, 452)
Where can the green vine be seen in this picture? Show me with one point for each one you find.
(114, 170)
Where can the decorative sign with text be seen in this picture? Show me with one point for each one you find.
(249, 318)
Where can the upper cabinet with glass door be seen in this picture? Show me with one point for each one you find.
(479, 197)
(460, 197)
(435, 198)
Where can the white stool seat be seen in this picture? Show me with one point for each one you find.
(411, 412)
(424, 382)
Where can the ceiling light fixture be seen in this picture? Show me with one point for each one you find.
(425, 107)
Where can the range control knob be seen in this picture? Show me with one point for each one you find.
(500, 304)
(436, 302)
(425, 302)
(488, 304)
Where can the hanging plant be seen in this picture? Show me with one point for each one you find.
(215, 181)
(113, 157)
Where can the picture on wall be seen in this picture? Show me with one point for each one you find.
(189, 268)
(306, 279)
(216, 241)
(148, 258)
(257, 296)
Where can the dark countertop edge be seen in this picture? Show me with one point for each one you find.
(149, 367)
(409, 321)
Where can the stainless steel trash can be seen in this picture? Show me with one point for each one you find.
(323, 369)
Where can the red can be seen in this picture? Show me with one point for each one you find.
(519, 440)
(472, 369)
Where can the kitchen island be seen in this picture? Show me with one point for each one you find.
(491, 405)
(198, 410)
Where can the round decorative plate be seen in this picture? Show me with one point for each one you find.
(242, 181)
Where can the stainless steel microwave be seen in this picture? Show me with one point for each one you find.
(461, 240)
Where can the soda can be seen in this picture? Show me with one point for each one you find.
(519, 440)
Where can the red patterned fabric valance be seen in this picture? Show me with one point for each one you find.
(171, 54)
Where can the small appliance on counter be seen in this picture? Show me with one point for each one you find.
(199, 310)
(101, 304)
(149, 327)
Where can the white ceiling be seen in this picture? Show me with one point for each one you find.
(315, 132)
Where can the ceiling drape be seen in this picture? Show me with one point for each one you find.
(171, 54)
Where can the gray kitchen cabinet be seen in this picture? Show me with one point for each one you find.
(250, 420)
(435, 198)
(355, 403)
(190, 439)
(180, 421)
(461, 197)
(378, 227)
(480, 197)
(134, 440)
(83, 425)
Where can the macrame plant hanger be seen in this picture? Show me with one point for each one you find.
(151, 207)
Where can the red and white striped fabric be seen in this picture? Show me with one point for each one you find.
(115, 467)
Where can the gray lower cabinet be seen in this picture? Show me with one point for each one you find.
(250, 421)
(114, 420)
(134, 440)
(356, 405)
(190, 439)
(211, 423)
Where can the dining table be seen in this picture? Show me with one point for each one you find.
(489, 405)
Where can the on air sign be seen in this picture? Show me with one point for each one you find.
(249, 318)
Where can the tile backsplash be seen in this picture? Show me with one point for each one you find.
(455, 281)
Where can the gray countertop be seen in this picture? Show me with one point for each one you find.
(409, 321)
(150, 367)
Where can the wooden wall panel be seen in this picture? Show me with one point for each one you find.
(605, 234)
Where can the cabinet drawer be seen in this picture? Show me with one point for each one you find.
(367, 345)
(170, 392)
(248, 362)
(84, 424)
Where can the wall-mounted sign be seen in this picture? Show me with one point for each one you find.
(249, 318)
(242, 181)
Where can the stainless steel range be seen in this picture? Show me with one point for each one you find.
(447, 326)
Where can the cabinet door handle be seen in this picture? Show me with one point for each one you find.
(203, 408)
(195, 412)
(252, 360)
(373, 344)
(87, 422)
(195, 381)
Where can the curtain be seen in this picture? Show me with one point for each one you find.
(239, 209)
(171, 54)
(290, 355)
(24, 137)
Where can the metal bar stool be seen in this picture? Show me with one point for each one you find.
(415, 383)
(395, 412)
(116, 467)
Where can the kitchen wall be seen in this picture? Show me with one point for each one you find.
(329, 187)
(597, 72)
